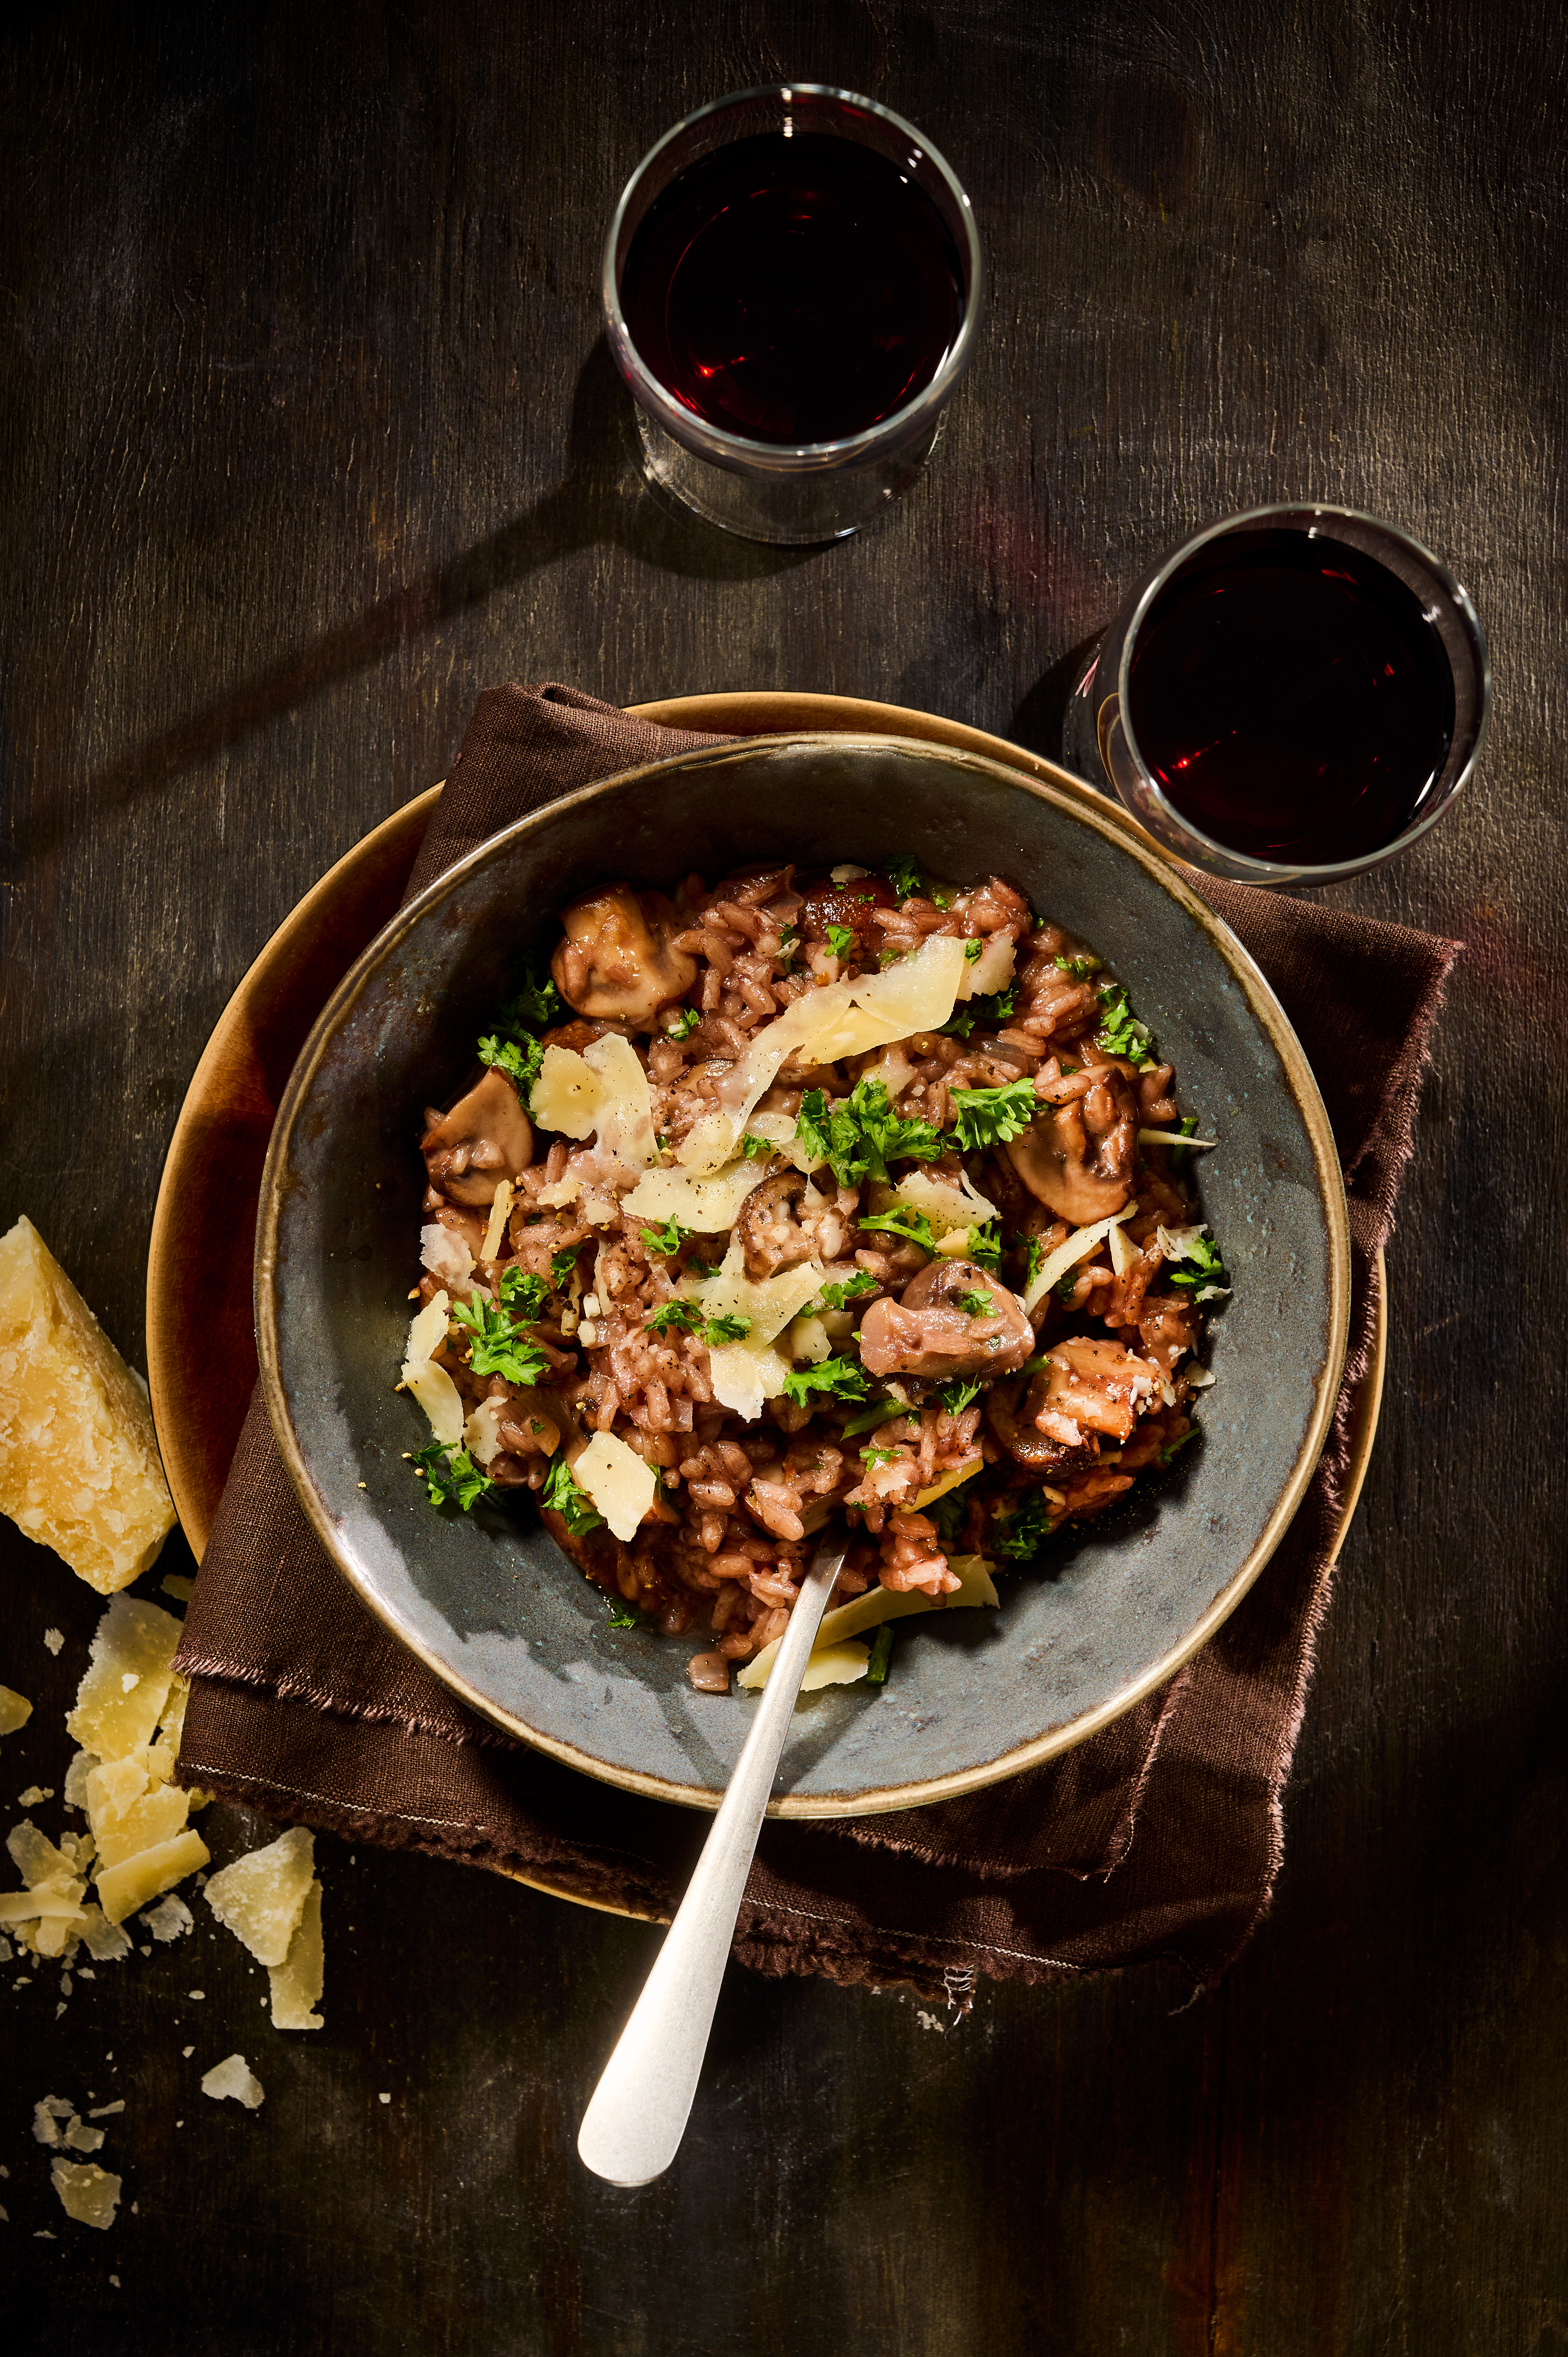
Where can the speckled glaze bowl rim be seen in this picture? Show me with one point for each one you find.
(1305, 1093)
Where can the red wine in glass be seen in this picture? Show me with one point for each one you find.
(1291, 698)
(793, 290)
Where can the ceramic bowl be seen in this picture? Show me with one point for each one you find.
(488, 1601)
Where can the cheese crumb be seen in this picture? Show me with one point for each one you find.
(15, 1710)
(88, 2193)
(260, 1897)
(80, 1470)
(53, 1640)
(234, 2077)
(171, 1919)
(296, 1982)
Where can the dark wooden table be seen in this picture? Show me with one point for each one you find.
(309, 434)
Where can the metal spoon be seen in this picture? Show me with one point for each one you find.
(633, 2129)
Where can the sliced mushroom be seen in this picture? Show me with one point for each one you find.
(485, 1138)
(1097, 1385)
(770, 1226)
(1010, 1416)
(926, 1333)
(617, 964)
(1077, 1157)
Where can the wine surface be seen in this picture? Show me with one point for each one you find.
(1292, 699)
(792, 290)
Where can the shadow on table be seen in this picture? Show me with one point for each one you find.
(601, 498)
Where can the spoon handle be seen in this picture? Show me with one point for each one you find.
(633, 2129)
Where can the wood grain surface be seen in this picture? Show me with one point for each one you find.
(307, 433)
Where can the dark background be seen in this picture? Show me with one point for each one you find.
(307, 434)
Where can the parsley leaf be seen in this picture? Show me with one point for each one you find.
(990, 1014)
(905, 877)
(520, 1062)
(754, 1148)
(860, 1135)
(977, 1305)
(839, 1378)
(872, 1454)
(887, 1411)
(1065, 1287)
(523, 1292)
(1171, 1446)
(1021, 1534)
(536, 1005)
(498, 1347)
(991, 1116)
(837, 1296)
(840, 940)
(1080, 968)
(725, 1330)
(451, 1476)
(910, 1227)
(971, 951)
(562, 1264)
(666, 1241)
(1120, 1033)
(881, 1655)
(961, 1392)
(684, 1023)
(1034, 1259)
(577, 1508)
(683, 1317)
(1202, 1269)
(985, 1245)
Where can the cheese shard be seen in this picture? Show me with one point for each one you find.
(79, 1459)
(296, 1982)
(234, 2077)
(975, 1586)
(260, 1897)
(88, 2193)
(15, 1710)
(618, 1480)
(123, 1888)
(126, 1685)
(835, 1666)
(604, 1090)
(707, 1207)
(948, 1204)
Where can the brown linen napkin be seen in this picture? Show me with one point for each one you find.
(1160, 1837)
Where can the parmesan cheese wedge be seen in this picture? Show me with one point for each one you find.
(260, 1897)
(842, 1019)
(15, 1710)
(615, 1478)
(79, 1459)
(878, 1604)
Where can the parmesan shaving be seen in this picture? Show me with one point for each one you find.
(1122, 1254)
(439, 1395)
(961, 1472)
(445, 1254)
(992, 970)
(604, 1090)
(768, 1306)
(746, 1375)
(428, 1329)
(705, 1206)
(1079, 1246)
(1172, 1137)
(481, 1434)
(835, 1666)
(975, 1587)
(500, 1211)
(125, 1889)
(949, 1205)
(618, 1480)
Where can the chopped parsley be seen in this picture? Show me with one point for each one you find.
(971, 951)
(961, 1392)
(1201, 1278)
(1065, 1287)
(881, 1655)
(860, 1135)
(985, 1245)
(725, 1330)
(562, 1264)
(754, 1148)
(1034, 1259)
(524, 1292)
(840, 940)
(1021, 1534)
(1120, 1033)
(534, 1007)
(991, 1117)
(1080, 968)
(681, 1317)
(451, 1476)
(499, 1346)
(512, 1048)
(625, 1616)
(1188, 1126)
(910, 1227)
(871, 1454)
(684, 1023)
(977, 1305)
(989, 1013)
(841, 1379)
(519, 1060)
(906, 877)
(576, 1508)
(666, 1241)
(947, 1511)
(1171, 1446)
(837, 1296)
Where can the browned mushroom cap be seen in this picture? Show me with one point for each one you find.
(485, 1138)
(617, 964)
(770, 1226)
(926, 1333)
(1010, 1410)
(1077, 1158)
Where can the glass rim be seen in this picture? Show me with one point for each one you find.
(1274, 512)
(777, 457)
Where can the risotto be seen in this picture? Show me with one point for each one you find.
(785, 1199)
